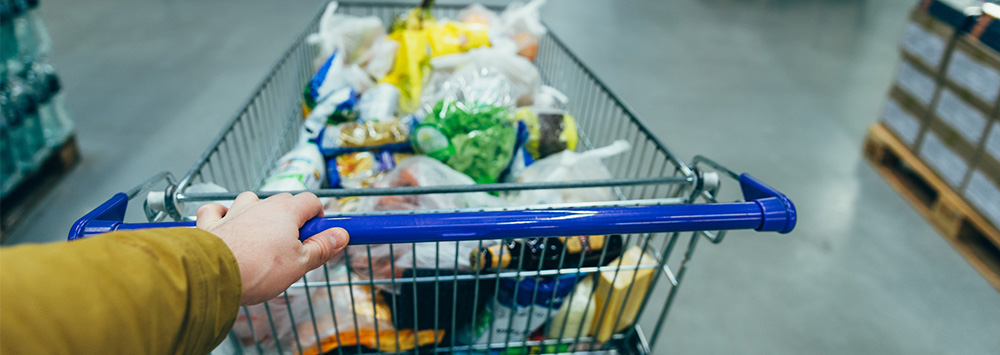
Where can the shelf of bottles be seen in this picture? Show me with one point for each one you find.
(35, 122)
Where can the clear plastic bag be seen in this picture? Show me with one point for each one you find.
(568, 166)
(390, 260)
(483, 75)
(522, 22)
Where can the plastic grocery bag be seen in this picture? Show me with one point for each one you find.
(270, 324)
(484, 75)
(351, 34)
(353, 315)
(522, 22)
(389, 260)
(568, 166)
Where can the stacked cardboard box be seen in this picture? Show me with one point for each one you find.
(945, 102)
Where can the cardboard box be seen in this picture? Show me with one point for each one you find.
(982, 190)
(917, 81)
(926, 40)
(964, 118)
(945, 152)
(973, 69)
(904, 117)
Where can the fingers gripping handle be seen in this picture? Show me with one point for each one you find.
(766, 210)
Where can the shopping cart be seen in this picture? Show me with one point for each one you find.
(663, 204)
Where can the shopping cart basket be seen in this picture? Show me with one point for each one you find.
(663, 204)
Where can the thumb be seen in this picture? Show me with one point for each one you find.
(209, 214)
(323, 246)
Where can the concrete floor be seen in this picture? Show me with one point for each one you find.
(783, 89)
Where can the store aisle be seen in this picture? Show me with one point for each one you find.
(781, 89)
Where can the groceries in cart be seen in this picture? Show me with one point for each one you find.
(421, 102)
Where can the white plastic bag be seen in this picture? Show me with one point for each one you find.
(354, 35)
(379, 58)
(489, 75)
(522, 23)
(419, 171)
(568, 166)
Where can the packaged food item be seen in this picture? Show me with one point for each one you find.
(550, 131)
(330, 87)
(576, 314)
(366, 135)
(568, 166)
(520, 308)
(611, 291)
(546, 253)
(361, 169)
(408, 71)
(380, 103)
(472, 138)
(303, 168)
(449, 37)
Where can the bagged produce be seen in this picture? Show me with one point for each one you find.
(474, 139)
(568, 166)
(485, 75)
(550, 131)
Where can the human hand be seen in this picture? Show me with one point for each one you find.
(264, 237)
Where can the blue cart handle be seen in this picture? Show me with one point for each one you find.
(765, 210)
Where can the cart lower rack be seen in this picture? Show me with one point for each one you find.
(459, 280)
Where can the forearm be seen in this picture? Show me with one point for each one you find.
(152, 291)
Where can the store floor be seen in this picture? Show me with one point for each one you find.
(783, 89)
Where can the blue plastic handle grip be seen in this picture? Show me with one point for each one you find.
(766, 209)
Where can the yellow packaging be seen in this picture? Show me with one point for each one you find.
(411, 64)
(618, 306)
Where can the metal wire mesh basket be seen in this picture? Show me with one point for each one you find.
(662, 205)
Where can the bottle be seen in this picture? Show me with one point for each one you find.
(23, 145)
(302, 168)
(33, 39)
(509, 254)
(56, 123)
(22, 97)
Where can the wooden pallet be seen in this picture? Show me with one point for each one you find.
(36, 184)
(968, 232)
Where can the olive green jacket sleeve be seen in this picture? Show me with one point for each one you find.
(155, 291)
